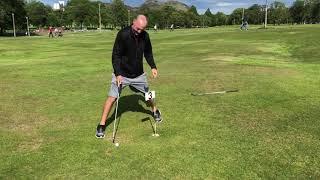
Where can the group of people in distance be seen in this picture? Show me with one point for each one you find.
(155, 27)
(55, 32)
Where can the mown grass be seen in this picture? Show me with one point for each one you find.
(52, 91)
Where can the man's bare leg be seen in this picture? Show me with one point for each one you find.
(153, 105)
(106, 109)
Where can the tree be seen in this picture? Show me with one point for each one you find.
(236, 16)
(297, 11)
(7, 7)
(221, 19)
(177, 18)
(106, 15)
(211, 17)
(278, 13)
(119, 12)
(38, 13)
(192, 16)
(206, 20)
(166, 16)
(316, 12)
(80, 11)
(255, 14)
(193, 10)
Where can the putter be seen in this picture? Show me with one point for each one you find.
(115, 117)
(155, 134)
(217, 92)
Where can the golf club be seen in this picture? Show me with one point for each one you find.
(115, 117)
(155, 134)
(217, 92)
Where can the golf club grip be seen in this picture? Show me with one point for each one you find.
(235, 90)
(119, 88)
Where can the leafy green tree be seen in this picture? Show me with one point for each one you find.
(316, 12)
(255, 14)
(221, 19)
(192, 17)
(297, 11)
(211, 17)
(38, 13)
(106, 15)
(278, 13)
(80, 11)
(119, 12)
(193, 10)
(206, 20)
(7, 7)
(53, 19)
(177, 18)
(166, 16)
(236, 16)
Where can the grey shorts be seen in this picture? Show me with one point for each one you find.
(139, 83)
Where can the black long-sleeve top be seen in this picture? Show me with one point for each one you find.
(128, 51)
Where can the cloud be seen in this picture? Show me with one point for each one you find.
(223, 4)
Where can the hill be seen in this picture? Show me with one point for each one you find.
(156, 4)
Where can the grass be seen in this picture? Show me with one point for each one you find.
(52, 91)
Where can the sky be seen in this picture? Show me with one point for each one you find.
(226, 6)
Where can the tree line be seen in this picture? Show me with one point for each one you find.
(301, 12)
(85, 13)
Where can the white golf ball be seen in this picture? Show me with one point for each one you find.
(116, 144)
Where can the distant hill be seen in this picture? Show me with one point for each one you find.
(156, 4)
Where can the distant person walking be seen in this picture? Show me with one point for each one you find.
(60, 32)
(172, 27)
(244, 25)
(56, 32)
(50, 32)
(155, 28)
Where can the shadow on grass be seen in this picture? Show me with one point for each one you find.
(126, 104)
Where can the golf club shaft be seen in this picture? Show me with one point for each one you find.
(217, 92)
(116, 114)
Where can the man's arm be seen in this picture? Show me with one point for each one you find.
(148, 53)
(117, 54)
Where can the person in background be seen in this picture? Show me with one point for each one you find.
(155, 28)
(50, 31)
(172, 27)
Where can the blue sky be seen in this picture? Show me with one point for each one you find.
(225, 6)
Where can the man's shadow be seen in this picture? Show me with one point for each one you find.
(128, 103)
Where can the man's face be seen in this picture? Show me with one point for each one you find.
(140, 24)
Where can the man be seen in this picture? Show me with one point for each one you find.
(155, 28)
(127, 59)
(172, 27)
(50, 32)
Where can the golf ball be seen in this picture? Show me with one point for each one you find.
(116, 144)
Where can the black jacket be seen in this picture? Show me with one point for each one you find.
(128, 51)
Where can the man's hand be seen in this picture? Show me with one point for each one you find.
(119, 80)
(154, 73)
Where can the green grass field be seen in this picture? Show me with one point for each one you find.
(52, 92)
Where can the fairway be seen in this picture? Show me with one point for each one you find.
(52, 92)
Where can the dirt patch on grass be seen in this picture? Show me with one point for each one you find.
(30, 145)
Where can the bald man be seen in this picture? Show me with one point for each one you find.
(130, 45)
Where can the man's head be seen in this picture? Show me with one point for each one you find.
(139, 23)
